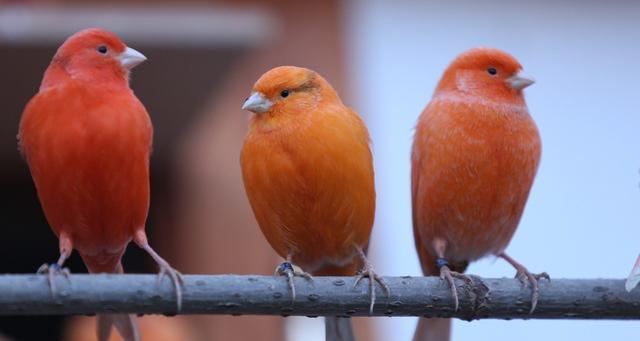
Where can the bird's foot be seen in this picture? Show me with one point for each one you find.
(290, 271)
(176, 279)
(448, 275)
(140, 238)
(525, 277)
(367, 271)
(52, 270)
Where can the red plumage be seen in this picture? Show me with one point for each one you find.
(87, 140)
(475, 155)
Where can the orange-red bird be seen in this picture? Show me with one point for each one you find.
(87, 139)
(475, 155)
(308, 173)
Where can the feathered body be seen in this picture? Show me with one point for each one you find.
(88, 151)
(87, 139)
(308, 173)
(475, 155)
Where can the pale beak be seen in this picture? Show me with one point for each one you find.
(130, 58)
(520, 80)
(257, 103)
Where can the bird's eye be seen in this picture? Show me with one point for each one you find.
(284, 93)
(102, 49)
(492, 71)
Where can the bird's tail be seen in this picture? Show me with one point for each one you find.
(434, 329)
(338, 329)
(634, 276)
(125, 324)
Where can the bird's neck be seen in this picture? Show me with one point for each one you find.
(59, 73)
(514, 104)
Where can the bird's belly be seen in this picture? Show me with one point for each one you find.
(102, 261)
(468, 240)
(99, 200)
(475, 212)
(319, 226)
(320, 246)
(312, 193)
(473, 167)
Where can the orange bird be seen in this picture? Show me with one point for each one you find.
(308, 173)
(87, 139)
(475, 154)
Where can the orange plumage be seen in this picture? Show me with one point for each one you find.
(87, 139)
(308, 172)
(475, 155)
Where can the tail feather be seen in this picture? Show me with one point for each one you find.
(634, 276)
(433, 329)
(338, 329)
(125, 324)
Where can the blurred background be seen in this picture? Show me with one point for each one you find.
(384, 58)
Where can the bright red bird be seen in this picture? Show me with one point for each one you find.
(308, 173)
(87, 140)
(475, 155)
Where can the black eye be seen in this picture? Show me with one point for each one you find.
(102, 49)
(492, 71)
(284, 93)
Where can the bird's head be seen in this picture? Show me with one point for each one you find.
(486, 72)
(96, 55)
(287, 90)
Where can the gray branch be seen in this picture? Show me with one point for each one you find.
(269, 295)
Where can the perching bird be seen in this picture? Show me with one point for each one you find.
(87, 139)
(308, 173)
(475, 154)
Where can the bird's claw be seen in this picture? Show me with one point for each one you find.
(368, 272)
(542, 275)
(448, 275)
(522, 276)
(51, 270)
(176, 279)
(287, 269)
(526, 278)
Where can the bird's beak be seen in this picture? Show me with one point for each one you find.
(130, 58)
(257, 103)
(520, 80)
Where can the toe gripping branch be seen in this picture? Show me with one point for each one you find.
(475, 288)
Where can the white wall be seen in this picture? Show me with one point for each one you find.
(583, 216)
